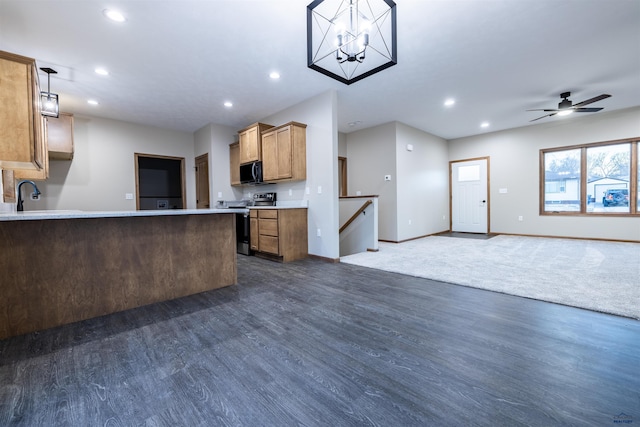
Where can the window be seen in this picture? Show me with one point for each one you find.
(609, 170)
(469, 173)
(562, 181)
(600, 178)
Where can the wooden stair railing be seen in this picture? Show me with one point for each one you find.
(364, 206)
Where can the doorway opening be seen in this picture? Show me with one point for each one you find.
(160, 182)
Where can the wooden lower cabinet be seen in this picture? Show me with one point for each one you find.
(106, 265)
(279, 233)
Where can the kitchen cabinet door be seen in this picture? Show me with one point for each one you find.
(21, 134)
(250, 140)
(284, 153)
(234, 163)
(60, 137)
(254, 231)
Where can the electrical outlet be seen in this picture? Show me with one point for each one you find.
(319, 189)
(219, 194)
(409, 222)
(128, 196)
(520, 218)
(318, 232)
(387, 177)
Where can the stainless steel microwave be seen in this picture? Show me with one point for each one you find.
(251, 173)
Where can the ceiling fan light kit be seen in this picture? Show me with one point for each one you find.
(566, 107)
(349, 40)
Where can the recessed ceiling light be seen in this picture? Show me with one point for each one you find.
(356, 123)
(114, 15)
(274, 75)
(228, 104)
(101, 71)
(484, 124)
(449, 102)
(92, 102)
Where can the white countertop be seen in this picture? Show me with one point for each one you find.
(277, 207)
(70, 214)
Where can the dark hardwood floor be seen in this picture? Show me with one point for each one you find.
(318, 344)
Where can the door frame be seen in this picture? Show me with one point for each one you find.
(451, 162)
(342, 178)
(183, 187)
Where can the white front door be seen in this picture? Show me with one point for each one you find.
(469, 201)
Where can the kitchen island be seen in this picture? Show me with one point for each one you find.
(59, 267)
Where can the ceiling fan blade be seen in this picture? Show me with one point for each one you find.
(589, 101)
(540, 109)
(548, 115)
(587, 110)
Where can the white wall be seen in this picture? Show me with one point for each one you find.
(371, 154)
(214, 139)
(422, 183)
(103, 167)
(342, 144)
(514, 165)
(320, 115)
(414, 202)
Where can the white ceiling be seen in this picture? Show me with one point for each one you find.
(174, 62)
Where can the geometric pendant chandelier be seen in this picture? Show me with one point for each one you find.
(349, 40)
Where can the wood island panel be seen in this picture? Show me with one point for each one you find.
(55, 272)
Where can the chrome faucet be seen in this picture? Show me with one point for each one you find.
(35, 193)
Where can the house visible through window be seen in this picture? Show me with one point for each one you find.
(599, 178)
(562, 181)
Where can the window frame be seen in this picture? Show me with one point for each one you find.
(634, 211)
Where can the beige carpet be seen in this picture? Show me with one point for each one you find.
(596, 275)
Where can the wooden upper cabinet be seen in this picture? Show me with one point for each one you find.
(37, 174)
(284, 153)
(234, 163)
(22, 146)
(60, 137)
(250, 142)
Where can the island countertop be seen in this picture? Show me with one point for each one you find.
(70, 214)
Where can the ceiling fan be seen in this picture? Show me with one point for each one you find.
(567, 107)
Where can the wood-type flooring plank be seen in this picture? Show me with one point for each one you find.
(314, 344)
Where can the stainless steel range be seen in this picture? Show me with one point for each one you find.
(264, 199)
(243, 221)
